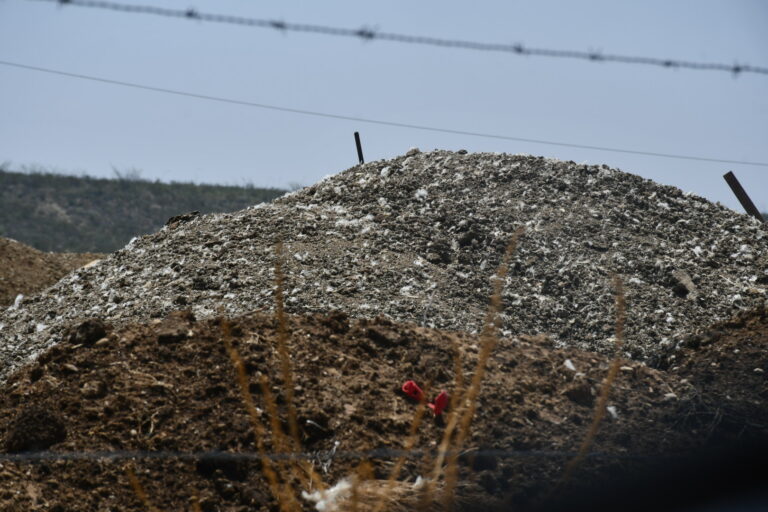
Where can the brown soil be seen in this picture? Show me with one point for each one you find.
(25, 270)
(170, 387)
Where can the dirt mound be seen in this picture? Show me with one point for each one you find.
(417, 238)
(163, 398)
(106, 377)
(25, 270)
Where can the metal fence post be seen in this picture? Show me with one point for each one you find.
(742, 196)
(359, 148)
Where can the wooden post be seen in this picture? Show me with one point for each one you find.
(742, 196)
(359, 148)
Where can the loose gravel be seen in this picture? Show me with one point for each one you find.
(418, 238)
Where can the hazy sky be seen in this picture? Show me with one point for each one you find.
(79, 126)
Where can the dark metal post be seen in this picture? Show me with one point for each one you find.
(359, 148)
(742, 196)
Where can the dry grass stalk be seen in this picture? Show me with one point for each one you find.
(458, 372)
(282, 345)
(462, 416)
(602, 400)
(308, 477)
(363, 473)
(413, 435)
(279, 440)
(138, 489)
(456, 400)
(258, 428)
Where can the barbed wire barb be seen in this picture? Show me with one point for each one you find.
(371, 35)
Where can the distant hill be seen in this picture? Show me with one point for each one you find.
(60, 213)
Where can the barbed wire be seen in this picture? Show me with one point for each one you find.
(370, 34)
(321, 456)
(374, 121)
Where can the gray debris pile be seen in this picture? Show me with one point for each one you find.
(418, 238)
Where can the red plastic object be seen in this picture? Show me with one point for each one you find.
(440, 403)
(413, 390)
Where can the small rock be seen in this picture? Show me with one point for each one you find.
(683, 284)
(94, 389)
(175, 327)
(180, 219)
(171, 334)
(91, 263)
(581, 394)
(88, 332)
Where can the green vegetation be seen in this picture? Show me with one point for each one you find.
(60, 213)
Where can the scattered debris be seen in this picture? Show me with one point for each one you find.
(326, 500)
(439, 404)
(413, 390)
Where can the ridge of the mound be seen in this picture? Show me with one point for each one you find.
(417, 238)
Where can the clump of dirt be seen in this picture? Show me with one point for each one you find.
(25, 270)
(35, 428)
(163, 398)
